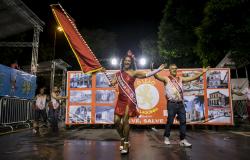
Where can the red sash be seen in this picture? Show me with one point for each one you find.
(126, 88)
(176, 85)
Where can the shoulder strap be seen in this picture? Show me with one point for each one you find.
(126, 88)
(176, 84)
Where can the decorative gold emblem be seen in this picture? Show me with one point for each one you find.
(26, 87)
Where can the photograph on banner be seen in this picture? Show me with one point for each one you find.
(104, 114)
(102, 80)
(79, 114)
(105, 96)
(80, 80)
(217, 78)
(195, 110)
(219, 109)
(195, 87)
(80, 96)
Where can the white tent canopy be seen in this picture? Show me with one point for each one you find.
(226, 62)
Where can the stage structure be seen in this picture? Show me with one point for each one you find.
(207, 100)
(15, 18)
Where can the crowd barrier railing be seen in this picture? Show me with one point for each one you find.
(15, 111)
(240, 108)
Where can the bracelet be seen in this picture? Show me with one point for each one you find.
(153, 72)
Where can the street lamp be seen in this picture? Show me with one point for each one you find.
(52, 76)
(59, 29)
(114, 61)
(142, 61)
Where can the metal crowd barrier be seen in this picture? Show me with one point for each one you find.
(240, 108)
(15, 111)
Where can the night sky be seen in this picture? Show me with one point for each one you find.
(131, 20)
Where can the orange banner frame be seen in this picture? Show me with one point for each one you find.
(207, 100)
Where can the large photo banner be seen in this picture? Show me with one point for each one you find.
(16, 83)
(207, 100)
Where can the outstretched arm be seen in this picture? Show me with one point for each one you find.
(189, 79)
(161, 78)
(113, 80)
(158, 77)
(53, 94)
(140, 74)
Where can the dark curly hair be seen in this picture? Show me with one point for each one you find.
(132, 65)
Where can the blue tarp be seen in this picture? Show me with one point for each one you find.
(16, 83)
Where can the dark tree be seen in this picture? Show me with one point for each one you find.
(225, 28)
(176, 31)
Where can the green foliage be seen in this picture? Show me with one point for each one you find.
(205, 30)
(176, 30)
(224, 28)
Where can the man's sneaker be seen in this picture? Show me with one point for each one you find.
(185, 143)
(166, 140)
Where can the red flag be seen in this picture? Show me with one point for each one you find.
(86, 59)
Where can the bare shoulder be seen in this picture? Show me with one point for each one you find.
(53, 94)
(163, 79)
(132, 73)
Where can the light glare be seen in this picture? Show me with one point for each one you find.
(114, 61)
(142, 61)
(59, 28)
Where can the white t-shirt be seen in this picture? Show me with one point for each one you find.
(171, 92)
(41, 101)
(246, 91)
(55, 103)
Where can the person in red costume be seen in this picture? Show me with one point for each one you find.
(126, 106)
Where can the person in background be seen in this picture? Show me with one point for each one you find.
(174, 94)
(40, 109)
(54, 108)
(15, 65)
(62, 104)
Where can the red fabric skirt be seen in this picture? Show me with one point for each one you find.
(120, 107)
